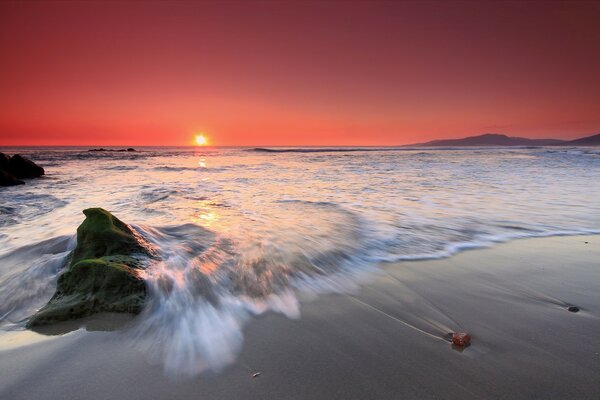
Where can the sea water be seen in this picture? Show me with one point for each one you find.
(243, 231)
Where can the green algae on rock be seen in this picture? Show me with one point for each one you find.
(103, 273)
(103, 234)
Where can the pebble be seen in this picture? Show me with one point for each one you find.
(461, 339)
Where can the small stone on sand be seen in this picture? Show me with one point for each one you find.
(461, 339)
(573, 309)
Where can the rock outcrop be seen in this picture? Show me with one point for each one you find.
(22, 167)
(17, 167)
(8, 179)
(103, 273)
(4, 161)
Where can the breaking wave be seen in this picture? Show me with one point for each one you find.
(206, 286)
(326, 150)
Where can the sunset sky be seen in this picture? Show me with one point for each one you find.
(296, 73)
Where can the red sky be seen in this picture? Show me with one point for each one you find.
(285, 73)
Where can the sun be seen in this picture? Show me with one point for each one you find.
(201, 140)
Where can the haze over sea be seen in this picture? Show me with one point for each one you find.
(241, 231)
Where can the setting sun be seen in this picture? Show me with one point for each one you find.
(201, 140)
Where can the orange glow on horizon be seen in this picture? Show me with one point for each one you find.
(288, 74)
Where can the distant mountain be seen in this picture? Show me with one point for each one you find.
(584, 141)
(491, 139)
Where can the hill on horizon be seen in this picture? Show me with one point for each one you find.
(497, 139)
(593, 140)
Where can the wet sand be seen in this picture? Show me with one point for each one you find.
(386, 341)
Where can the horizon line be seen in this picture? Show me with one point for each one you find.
(292, 145)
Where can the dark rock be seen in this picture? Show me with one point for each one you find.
(573, 309)
(8, 179)
(131, 149)
(4, 161)
(22, 167)
(103, 273)
(461, 339)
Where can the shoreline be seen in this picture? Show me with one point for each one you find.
(386, 340)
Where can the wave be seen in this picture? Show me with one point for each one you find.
(120, 168)
(206, 286)
(327, 150)
(28, 277)
(27, 206)
(485, 241)
(176, 169)
(380, 149)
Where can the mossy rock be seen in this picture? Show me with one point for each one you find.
(103, 273)
(103, 234)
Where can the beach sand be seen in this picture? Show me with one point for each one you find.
(386, 341)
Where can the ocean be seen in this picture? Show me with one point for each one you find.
(243, 231)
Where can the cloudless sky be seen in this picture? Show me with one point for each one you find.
(296, 73)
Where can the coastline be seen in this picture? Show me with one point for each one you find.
(385, 341)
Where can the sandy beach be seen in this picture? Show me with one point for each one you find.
(386, 341)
